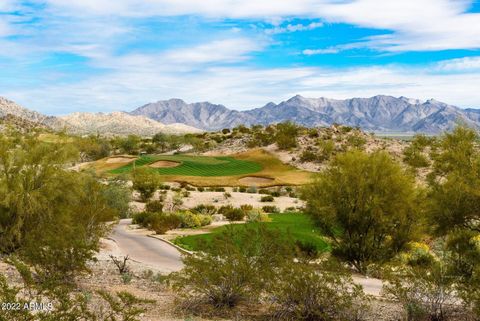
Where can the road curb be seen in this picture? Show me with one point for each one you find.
(181, 249)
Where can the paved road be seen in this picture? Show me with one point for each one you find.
(147, 250)
(166, 258)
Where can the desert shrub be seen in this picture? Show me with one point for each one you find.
(191, 220)
(185, 194)
(327, 150)
(372, 200)
(190, 188)
(246, 207)
(227, 195)
(276, 193)
(356, 141)
(242, 189)
(286, 136)
(66, 303)
(206, 209)
(256, 215)
(224, 209)
(200, 189)
(234, 214)
(312, 132)
(425, 292)
(161, 223)
(146, 182)
(270, 209)
(118, 197)
(141, 218)
(264, 191)
(154, 206)
(252, 189)
(308, 292)
(268, 198)
(414, 155)
(225, 131)
(164, 187)
(241, 272)
(308, 156)
(219, 189)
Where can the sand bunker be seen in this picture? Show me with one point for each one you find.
(164, 164)
(253, 180)
(121, 159)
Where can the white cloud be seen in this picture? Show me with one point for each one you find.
(414, 25)
(294, 28)
(311, 52)
(467, 64)
(150, 79)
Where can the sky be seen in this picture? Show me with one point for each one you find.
(62, 56)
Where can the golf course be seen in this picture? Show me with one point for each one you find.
(254, 167)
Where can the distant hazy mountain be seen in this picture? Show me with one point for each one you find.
(120, 123)
(378, 113)
(117, 123)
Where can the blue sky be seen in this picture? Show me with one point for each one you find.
(61, 56)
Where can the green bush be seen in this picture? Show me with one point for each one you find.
(146, 182)
(225, 274)
(206, 209)
(140, 218)
(161, 223)
(372, 200)
(270, 209)
(191, 220)
(252, 189)
(256, 215)
(154, 206)
(308, 156)
(264, 191)
(234, 214)
(267, 198)
(224, 209)
(200, 189)
(310, 292)
(242, 189)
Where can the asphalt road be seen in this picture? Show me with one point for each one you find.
(145, 249)
(166, 258)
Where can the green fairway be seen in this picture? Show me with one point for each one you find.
(300, 227)
(195, 165)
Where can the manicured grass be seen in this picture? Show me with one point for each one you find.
(300, 227)
(255, 162)
(195, 165)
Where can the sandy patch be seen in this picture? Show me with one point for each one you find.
(164, 164)
(237, 199)
(121, 159)
(253, 180)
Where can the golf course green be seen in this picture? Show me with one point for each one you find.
(194, 165)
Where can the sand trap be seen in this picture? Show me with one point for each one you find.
(116, 160)
(164, 164)
(252, 180)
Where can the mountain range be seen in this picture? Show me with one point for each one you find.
(379, 113)
(116, 123)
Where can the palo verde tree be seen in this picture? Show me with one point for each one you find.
(367, 205)
(286, 135)
(51, 217)
(146, 181)
(455, 206)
